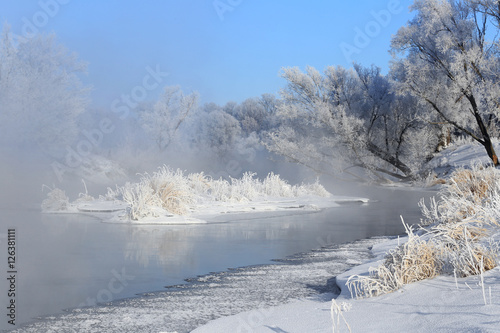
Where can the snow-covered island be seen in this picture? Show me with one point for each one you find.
(171, 197)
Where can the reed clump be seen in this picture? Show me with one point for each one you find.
(171, 191)
(452, 239)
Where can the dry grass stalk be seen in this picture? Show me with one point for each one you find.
(473, 260)
(465, 230)
(413, 261)
(336, 311)
(475, 184)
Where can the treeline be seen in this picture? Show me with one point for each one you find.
(442, 83)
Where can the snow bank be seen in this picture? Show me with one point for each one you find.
(442, 304)
(171, 197)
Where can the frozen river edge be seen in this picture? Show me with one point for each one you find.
(184, 307)
(441, 304)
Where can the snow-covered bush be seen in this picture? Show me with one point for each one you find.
(471, 194)
(274, 186)
(245, 188)
(142, 200)
(56, 201)
(165, 189)
(111, 195)
(313, 188)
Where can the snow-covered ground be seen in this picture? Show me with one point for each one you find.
(442, 304)
(116, 211)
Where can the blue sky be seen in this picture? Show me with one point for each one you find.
(224, 49)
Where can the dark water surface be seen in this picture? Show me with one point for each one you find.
(67, 261)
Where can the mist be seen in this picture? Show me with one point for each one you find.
(53, 136)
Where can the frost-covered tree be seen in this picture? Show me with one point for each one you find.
(163, 119)
(449, 60)
(488, 7)
(347, 118)
(252, 116)
(216, 130)
(41, 95)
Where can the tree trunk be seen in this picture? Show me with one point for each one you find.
(491, 151)
(486, 142)
(390, 159)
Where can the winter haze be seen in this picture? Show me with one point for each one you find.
(190, 84)
(146, 145)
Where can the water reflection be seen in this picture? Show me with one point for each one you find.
(65, 260)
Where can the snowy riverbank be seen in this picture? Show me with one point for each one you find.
(442, 304)
(182, 308)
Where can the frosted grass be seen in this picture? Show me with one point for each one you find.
(453, 238)
(169, 192)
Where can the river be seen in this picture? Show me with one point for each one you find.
(67, 261)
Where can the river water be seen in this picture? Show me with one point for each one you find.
(69, 261)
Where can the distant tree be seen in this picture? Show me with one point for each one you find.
(269, 103)
(347, 118)
(230, 108)
(163, 119)
(448, 63)
(252, 116)
(217, 130)
(41, 95)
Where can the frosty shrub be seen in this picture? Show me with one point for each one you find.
(244, 189)
(169, 191)
(56, 201)
(413, 261)
(111, 195)
(274, 186)
(142, 201)
(314, 188)
(463, 250)
(471, 194)
(248, 188)
(452, 239)
(471, 259)
(164, 190)
(172, 188)
(220, 190)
